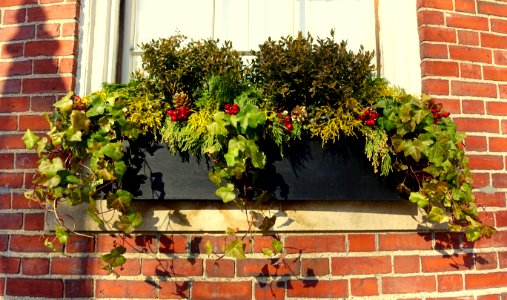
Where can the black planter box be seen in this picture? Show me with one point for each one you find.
(308, 173)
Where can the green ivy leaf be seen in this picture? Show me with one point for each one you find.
(65, 104)
(208, 247)
(235, 249)
(119, 201)
(41, 145)
(129, 221)
(61, 234)
(112, 150)
(49, 244)
(438, 215)
(226, 193)
(277, 245)
(114, 258)
(30, 139)
(120, 168)
(419, 199)
(79, 120)
(267, 252)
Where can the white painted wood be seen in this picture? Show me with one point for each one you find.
(98, 36)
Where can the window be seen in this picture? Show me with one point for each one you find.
(392, 33)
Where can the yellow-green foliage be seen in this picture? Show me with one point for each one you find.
(329, 123)
(378, 150)
(145, 112)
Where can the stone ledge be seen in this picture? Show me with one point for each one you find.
(292, 216)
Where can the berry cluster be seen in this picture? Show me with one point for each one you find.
(180, 114)
(285, 119)
(231, 109)
(437, 115)
(369, 117)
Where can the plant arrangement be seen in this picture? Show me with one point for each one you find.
(201, 100)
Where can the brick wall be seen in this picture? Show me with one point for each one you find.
(464, 65)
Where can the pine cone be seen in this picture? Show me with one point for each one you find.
(182, 100)
(299, 114)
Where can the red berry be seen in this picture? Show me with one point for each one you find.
(174, 118)
(289, 127)
(446, 114)
(370, 122)
(366, 113)
(227, 106)
(287, 118)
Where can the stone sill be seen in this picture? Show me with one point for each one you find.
(292, 216)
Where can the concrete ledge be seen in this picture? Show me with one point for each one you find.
(292, 216)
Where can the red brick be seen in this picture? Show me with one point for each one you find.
(311, 267)
(80, 244)
(465, 6)
(70, 29)
(406, 264)
(494, 73)
(91, 266)
(472, 106)
(479, 89)
(485, 281)
(490, 200)
(45, 66)
(14, 16)
(266, 267)
(501, 218)
(26, 160)
(435, 86)
(35, 266)
(485, 261)
(239, 290)
(50, 48)
(497, 108)
(450, 283)
(4, 240)
(410, 284)
(499, 25)
(48, 31)
(468, 38)
(315, 243)
(53, 12)
(447, 240)
(439, 68)
(173, 244)
(490, 297)
(5, 199)
(437, 34)
(363, 287)
(492, 8)
(172, 267)
(12, 50)
(15, 68)
(78, 288)
(361, 242)
(7, 3)
(480, 180)
(34, 122)
(31, 287)
(467, 22)
(504, 126)
(124, 289)
(260, 242)
(10, 86)
(9, 265)
(470, 54)
(440, 4)
(20, 202)
(497, 144)
(360, 265)
(48, 85)
(489, 40)
(274, 290)
(42, 103)
(31, 243)
(500, 57)
(34, 222)
(476, 143)
(446, 263)
(485, 162)
(450, 105)
(14, 104)
(133, 243)
(67, 65)
(220, 268)
(433, 51)
(16, 33)
(500, 180)
(477, 125)
(404, 241)
(317, 288)
(11, 180)
(430, 17)
(8, 123)
(197, 243)
(502, 259)
(174, 290)
(499, 239)
(11, 221)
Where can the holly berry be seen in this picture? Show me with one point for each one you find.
(231, 109)
(437, 115)
(180, 114)
(286, 120)
(369, 117)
